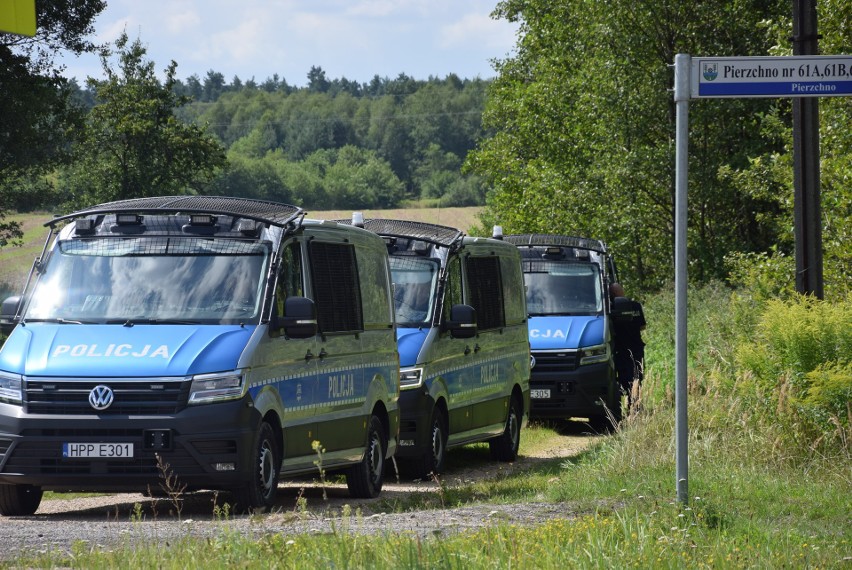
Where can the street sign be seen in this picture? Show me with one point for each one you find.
(784, 76)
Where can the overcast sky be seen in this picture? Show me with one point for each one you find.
(353, 38)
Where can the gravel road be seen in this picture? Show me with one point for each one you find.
(127, 519)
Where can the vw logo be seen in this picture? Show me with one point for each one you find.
(101, 397)
(532, 361)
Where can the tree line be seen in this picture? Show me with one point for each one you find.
(331, 144)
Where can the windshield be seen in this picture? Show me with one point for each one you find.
(562, 288)
(414, 281)
(149, 280)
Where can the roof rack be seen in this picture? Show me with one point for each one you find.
(433, 233)
(556, 240)
(273, 213)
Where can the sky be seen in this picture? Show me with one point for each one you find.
(356, 39)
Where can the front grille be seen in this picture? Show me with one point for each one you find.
(137, 397)
(547, 362)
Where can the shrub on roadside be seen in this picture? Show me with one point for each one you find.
(794, 368)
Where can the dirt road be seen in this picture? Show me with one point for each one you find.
(127, 519)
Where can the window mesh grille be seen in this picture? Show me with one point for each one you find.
(486, 291)
(335, 279)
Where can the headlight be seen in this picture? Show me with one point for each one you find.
(410, 377)
(593, 354)
(209, 388)
(10, 388)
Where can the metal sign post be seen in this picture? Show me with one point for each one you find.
(704, 77)
(681, 97)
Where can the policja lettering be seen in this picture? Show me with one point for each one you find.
(111, 350)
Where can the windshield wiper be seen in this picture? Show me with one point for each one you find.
(58, 320)
(148, 321)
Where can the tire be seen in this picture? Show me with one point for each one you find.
(365, 478)
(505, 446)
(433, 459)
(19, 500)
(258, 492)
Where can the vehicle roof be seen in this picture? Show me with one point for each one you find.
(273, 213)
(424, 231)
(533, 240)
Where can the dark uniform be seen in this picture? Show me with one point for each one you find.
(628, 320)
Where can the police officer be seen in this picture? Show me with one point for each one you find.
(628, 322)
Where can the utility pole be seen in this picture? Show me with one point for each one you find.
(807, 221)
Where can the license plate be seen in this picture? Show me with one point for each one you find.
(540, 394)
(100, 450)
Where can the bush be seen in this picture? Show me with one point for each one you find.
(795, 369)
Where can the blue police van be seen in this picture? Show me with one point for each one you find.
(462, 334)
(213, 338)
(567, 281)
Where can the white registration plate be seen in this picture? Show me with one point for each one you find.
(103, 450)
(540, 394)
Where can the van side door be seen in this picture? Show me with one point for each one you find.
(287, 366)
(341, 392)
(451, 358)
(492, 349)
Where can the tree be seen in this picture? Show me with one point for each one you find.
(133, 145)
(317, 81)
(36, 112)
(584, 129)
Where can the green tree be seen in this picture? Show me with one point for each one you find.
(584, 129)
(36, 111)
(133, 145)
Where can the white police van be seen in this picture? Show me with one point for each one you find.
(212, 338)
(462, 333)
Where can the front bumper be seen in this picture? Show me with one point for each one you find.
(203, 447)
(581, 392)
(415, 414)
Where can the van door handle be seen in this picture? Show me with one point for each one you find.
(466, 350)
(309, 355)
(323, 353)
(477, 348)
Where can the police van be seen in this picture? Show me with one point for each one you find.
(208, 339)
(462, 334)
(573, 374)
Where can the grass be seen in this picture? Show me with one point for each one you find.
(16, 260)
(620, 513)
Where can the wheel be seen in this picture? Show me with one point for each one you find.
(505, 446)
(260, 489)
(19, 500)
(365, 478)
(432, 460)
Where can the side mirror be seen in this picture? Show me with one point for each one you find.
(8, 312)
(300, 318)
(462, 323)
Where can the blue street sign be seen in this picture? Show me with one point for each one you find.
(785, 76)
